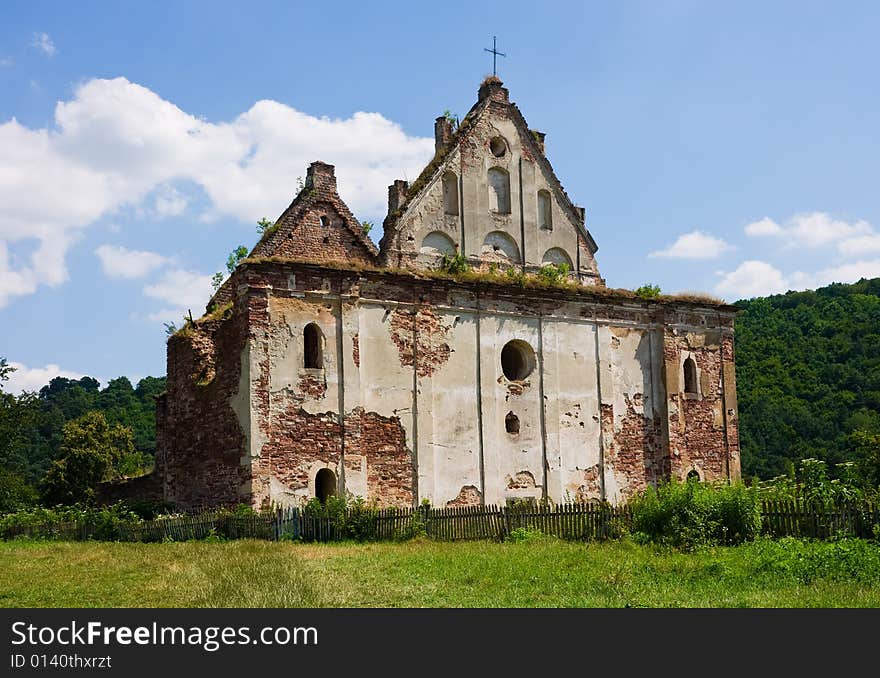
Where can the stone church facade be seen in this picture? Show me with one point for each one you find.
(326, 365)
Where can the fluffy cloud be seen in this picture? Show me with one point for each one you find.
(814, 229)
(170, 202)
(43, 42)
(765, 226)
(751, 279)
(860, 246)
(119, 262)
(182, 291)
(694, 245)
(115, 143)
(7, 62)
(34, 378)
(758, 278)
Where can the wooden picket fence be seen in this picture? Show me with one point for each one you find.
(576, 522)
(795, 519)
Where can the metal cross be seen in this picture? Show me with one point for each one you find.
(495, 54)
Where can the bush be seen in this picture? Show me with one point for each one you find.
(693, 514)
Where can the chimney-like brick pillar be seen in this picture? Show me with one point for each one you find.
(397, 194)
(494, 89)
(320, 176)
(442, 132)
(582, 213)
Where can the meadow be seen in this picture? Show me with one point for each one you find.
(536, 571)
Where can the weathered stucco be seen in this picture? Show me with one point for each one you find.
(332, 363)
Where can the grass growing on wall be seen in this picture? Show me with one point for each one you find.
(535, 571)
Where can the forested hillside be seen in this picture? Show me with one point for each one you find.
(808, 375)
(31, 424)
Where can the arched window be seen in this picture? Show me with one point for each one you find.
(556, 256)
(325, 484)
(312, 347)
(499, 191)
(500, 247)
(437, 243)
(450, 193)
(693, 476)
(545, 211)
(690, 376)
(325, 221)
(511, 423)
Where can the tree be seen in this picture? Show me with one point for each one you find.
(648, 291)
(92, 451)
(367, 226)
(264, 225)
(235, 257)
(5, 370)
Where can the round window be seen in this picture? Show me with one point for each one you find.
(498, 147)
(517, 360)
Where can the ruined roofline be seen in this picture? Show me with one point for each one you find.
(486, 97)
(496, 282)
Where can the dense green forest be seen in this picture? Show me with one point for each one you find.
(808, 376)
(32, 425)
(808, 381)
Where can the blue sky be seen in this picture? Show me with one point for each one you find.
(730, 148)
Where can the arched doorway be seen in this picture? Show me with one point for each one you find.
(325, 484)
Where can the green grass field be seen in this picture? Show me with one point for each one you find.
(533, 573)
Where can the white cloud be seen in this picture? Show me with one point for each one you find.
(34, 378)
(7, 62)
(119, 262)
(751, 279)
(183, 291)
(43, 42)
(764, 227)
(813, 229)
(860, 245)
(116, 142)
(850, 272)
(694, 245)
(170, 202)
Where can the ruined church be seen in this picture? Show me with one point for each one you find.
(442, 365)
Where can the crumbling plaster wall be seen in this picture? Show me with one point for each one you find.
(417, 372)
(470, 160)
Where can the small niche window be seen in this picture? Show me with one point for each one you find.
(312, 351)
(450, 193)
(690, 376)
(517, 360)
(545, 211)
(325, 222)
(498, 147)
(511, 423)
(499, 191)
(693, 476)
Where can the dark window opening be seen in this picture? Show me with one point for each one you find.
(325, 222)
(511, 423)
(312, 358)
(517, 360)
(690, 376)
(325, 485)
(498, 147)
(693, 476)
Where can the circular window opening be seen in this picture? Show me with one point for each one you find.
(498, 147)
(517, 360)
